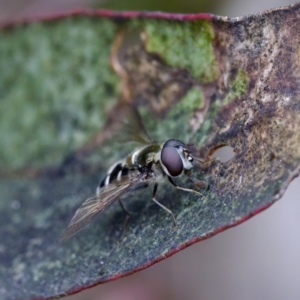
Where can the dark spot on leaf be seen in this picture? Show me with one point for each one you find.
(272, 156)
(101, 272)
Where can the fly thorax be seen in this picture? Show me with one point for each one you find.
(150, 158)
(158, 171)
(131, 160)
(145, 156)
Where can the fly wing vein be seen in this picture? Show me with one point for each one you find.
(94, 206)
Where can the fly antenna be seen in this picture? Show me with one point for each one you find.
(202, 161)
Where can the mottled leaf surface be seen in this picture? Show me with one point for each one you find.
(63, 87)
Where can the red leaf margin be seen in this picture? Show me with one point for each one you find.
(119, 15)
(105, 13)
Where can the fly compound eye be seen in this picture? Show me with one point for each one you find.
(172, 161)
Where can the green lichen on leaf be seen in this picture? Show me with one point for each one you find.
(240, 83)
(187, 45)
(176, 122)
(194, 99)
(237, 87)
(54, 93)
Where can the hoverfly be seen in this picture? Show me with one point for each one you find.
(147, 165)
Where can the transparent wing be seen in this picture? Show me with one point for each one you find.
(94, 206)
(132, 127)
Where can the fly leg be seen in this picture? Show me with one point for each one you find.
(198, 183)
(184, 189)
(123, 207)
(162, 206)
(128, 214)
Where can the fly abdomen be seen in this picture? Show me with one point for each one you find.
(116, 172)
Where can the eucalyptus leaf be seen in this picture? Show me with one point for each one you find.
(64, 84)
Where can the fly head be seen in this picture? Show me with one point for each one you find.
(175, 158)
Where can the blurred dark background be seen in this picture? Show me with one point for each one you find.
(259, 259)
